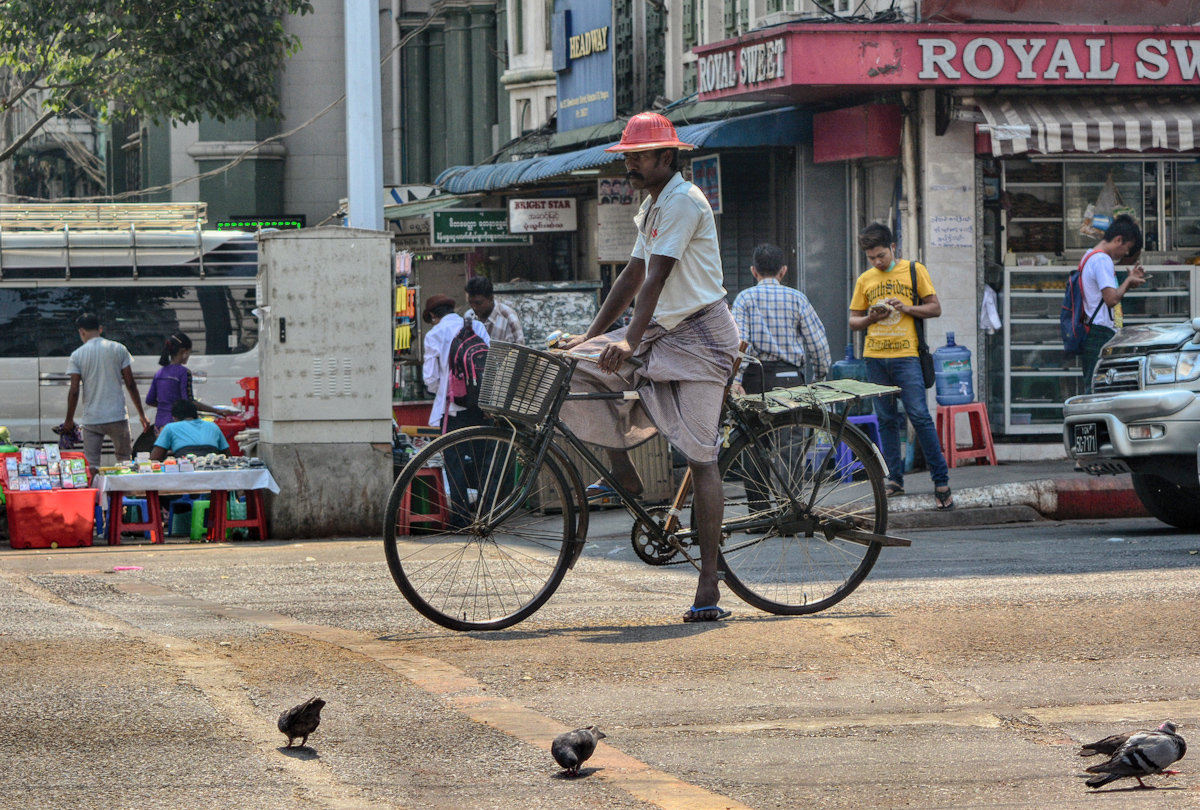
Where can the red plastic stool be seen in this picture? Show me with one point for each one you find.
(118, 524)
(981, 446)
(256, 515)
(406, 517)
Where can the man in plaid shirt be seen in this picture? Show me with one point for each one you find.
(781, 327)
(499, 319)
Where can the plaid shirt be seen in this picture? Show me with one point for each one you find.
(503, 325)
(771, 316)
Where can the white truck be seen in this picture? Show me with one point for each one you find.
(1144, 418)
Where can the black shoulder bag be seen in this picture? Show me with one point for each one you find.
(922, 347)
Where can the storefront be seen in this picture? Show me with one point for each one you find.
(983, 147)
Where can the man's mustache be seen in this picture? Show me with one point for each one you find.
(634, 176)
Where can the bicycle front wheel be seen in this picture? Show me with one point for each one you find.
(470, 543)
(785, 563)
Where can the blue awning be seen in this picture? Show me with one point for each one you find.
(782, 127)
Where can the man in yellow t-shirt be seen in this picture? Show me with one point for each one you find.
(882, 304)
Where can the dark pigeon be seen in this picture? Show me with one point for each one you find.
(572, 749)
(302, 720)
(1143, 753)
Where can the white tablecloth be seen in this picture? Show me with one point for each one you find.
(206, 481)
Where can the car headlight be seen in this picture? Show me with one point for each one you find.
(1188, 368)
(1160, 368)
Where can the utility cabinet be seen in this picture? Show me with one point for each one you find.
(325, 299)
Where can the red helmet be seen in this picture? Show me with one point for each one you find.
(646, 131)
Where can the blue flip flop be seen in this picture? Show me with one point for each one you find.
(712, 613)
(597, 492)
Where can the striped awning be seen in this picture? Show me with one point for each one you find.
(1054, 124)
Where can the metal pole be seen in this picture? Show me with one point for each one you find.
(639, 56)
(364, 116)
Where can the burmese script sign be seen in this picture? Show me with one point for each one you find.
(537, 216)
(771, 63)
(474, 226)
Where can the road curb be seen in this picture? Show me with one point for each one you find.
(1053, 498)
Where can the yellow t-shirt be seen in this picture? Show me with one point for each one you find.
(896, 335)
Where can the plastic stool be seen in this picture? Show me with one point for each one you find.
(199, 513)
(149, 511)
(179, 519)
(981, 446)
(868, 424)
(432, 479)
(255, 514)
(140, 505)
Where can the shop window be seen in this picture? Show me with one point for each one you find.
(1046, 202)
(18, 322)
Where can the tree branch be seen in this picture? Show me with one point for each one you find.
(29, 133)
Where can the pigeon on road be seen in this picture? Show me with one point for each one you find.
(302, 720)
(572, 749)
(1142, 753)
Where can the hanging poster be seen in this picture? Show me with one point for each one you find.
(706, 174)
(615, 232)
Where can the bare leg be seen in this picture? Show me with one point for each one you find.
(709, 504)
(624, 471)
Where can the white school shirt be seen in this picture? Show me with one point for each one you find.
(1098, 274)
(680, 225)
(437, 361)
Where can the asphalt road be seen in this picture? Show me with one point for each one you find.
(963, 673)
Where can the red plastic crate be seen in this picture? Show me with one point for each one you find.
(60, 518)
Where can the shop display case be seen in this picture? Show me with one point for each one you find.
(1038, 378)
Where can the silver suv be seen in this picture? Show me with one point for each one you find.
(1144, 418)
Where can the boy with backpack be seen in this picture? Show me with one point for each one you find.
(1092, 292)
(455, 352)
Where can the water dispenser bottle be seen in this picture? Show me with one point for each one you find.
(952, 367)
(852, 368)
(849, 368)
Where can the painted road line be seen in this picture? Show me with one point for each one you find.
(470, 696)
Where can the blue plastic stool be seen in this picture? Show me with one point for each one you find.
(175, 507)
(100, 526)
(868, 424)
(143, 511)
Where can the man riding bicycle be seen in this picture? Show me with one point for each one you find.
(681, 331)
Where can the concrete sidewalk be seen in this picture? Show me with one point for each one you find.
(984, 495)
(1015, 491)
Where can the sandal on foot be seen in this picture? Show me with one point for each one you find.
(893, 489)
(600, 490)
(944, 500)
(711, 613)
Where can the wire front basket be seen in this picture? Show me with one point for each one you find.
(520, 383)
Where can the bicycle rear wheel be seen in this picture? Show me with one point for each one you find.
(461, 548)
(788, 566)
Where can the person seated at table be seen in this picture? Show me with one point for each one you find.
(188, 433)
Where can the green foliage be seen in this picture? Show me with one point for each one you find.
(164, 59)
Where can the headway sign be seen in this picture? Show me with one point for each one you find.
(807, 60)
(583, 59)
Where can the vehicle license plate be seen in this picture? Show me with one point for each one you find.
(1085, 439)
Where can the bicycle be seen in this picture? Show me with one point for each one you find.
(500, 513)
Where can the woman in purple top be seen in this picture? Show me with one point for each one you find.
(173, 381)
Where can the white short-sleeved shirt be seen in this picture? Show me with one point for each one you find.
(1098, 273)
(680, 225)
(99, 363)
(437, 361)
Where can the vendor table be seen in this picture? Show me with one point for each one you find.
(217, 482)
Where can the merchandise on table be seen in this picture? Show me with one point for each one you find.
(189, 463)
(42, 469)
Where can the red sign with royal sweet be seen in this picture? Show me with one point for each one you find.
(808, 61)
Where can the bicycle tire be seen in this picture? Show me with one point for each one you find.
(462, 575)
(790, 573)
